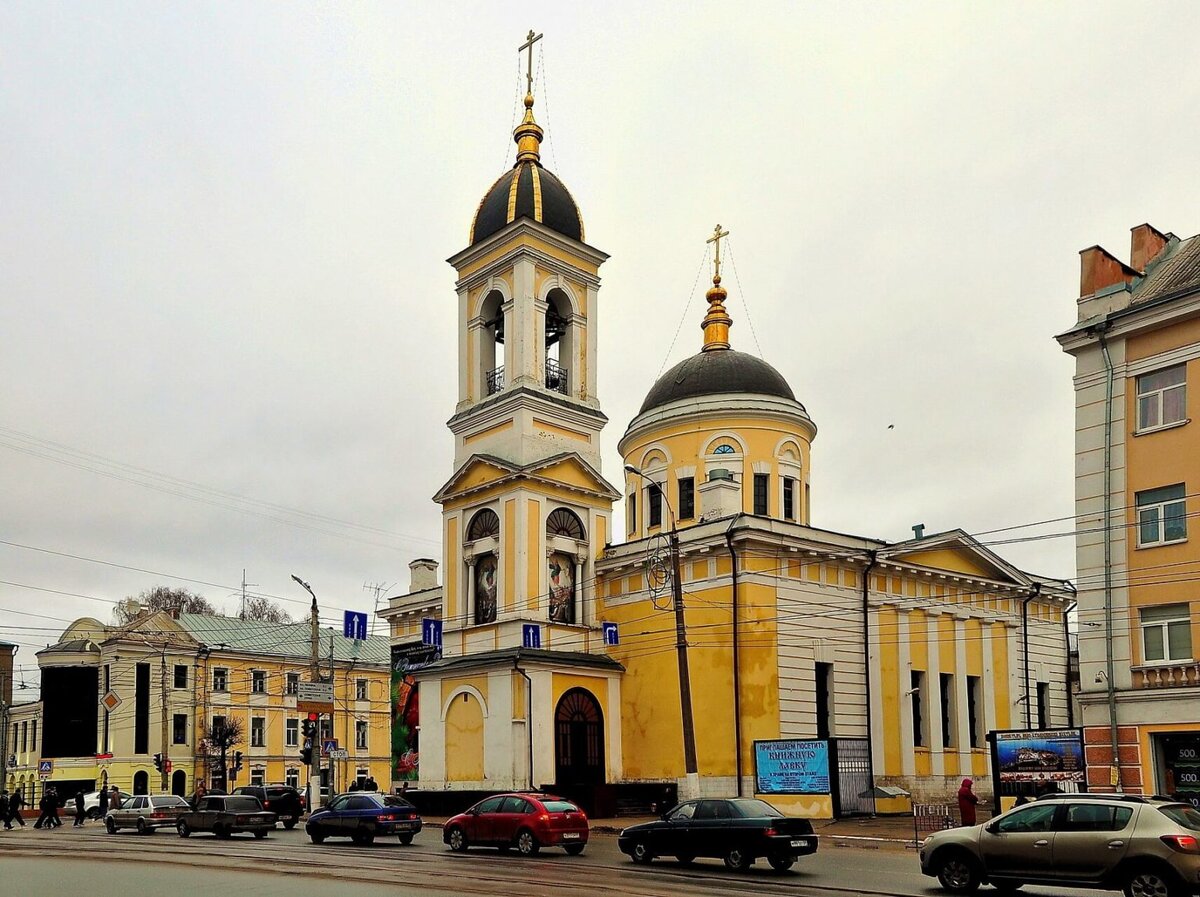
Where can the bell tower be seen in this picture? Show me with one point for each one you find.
(527, 510)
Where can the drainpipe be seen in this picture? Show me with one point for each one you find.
(1037, 588)
(866, 615)
(528, 715)
(1109, 664)
(737, 667)
(1067, 674)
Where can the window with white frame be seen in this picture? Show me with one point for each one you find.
(1162, 397)
(293, 683)
(1166, 633)
(220, 679)
(258, 776)
(258, 731)
(291, 777)
(291, 733)
(258, 682)
(361, 775)
(360, 734)
(1162, 516)
(360, 689)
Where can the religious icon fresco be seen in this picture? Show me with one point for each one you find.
(485, 589)
(562, 588)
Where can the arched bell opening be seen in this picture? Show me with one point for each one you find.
(491, 348)
(560, 342)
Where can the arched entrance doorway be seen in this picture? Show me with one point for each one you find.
(578, 740)
(179, 783)
(141, 782)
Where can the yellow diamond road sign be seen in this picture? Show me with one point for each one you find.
(110, 701)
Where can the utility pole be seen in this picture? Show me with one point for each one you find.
(314, 760)
(166, 757)
(244, 584)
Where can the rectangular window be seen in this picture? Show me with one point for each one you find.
(631, 507)
(258, 731)
(360, 689)
(257, 776)
(917, 693)
(293, 683)
(824, 684)
(1043, 705)
(1166, 633)
(762, 482)
(789, 498)
(1162, 398)
(291, 733)
(141, 710)
(946, 684)
(975, 711)
(687, 498)
(258, 682)
(291, 777)
(220, 679)
(361, 775)
(33, 736)
(654, 496)
(181, 675)
(1162, 516)
(218, 724)
(360, 734)
(179, 728)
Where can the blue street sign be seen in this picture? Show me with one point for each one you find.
(431, 632)
(354, 625)
(45, 767)
(328, 746)
(611, 637)
(531, 636)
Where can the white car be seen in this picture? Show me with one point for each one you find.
(91, 803)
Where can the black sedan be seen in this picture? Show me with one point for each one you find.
(361, 816)
(737, 830)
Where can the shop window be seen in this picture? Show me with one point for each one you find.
(1162, 398)
(1166, 633)
(1161, 516)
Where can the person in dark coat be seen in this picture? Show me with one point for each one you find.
(15, 803)
(44, 808)
(4, 808)
(966, 802)
(79, 814)
(54, 805)
(370, 784)
(102, 802)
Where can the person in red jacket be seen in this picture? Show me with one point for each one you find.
(966, 802)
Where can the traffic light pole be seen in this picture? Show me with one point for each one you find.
(314, 760)
(166, 757)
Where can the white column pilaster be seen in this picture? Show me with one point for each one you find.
(933, 677)
(960, 696)
(908, 762)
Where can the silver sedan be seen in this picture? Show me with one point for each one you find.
(146, 813)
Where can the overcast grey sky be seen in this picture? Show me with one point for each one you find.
(227, 326)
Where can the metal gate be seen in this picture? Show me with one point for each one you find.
(850, 763)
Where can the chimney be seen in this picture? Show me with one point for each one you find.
(919, 531)
(1099, 268)
(720, 496)
(1145, 245)
(423, 574)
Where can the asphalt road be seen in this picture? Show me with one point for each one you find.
(89, 861)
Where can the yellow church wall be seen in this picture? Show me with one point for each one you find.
(479, 683)
(918, 639)
(999, 636)
(533, 242)
(947, 646)
(555, 430)
(452, 565)
(889, 687)
(508, 537)
(464, 739)
(973, 633)
(533, 573)
(950, 559)
(568, 472)
(601, 536)
(490, 431)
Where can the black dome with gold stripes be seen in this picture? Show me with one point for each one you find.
(528, 190)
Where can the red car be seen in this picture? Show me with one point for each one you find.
(527, 822)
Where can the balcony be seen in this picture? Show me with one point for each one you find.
(494, 380)
(1179, 674)
(556, 377)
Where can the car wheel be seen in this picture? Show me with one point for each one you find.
(527, 844)
(183, 829)
(110, 826)
(958, 873)
(685, 859)
(640, 853)
(290, 825)
(406, 838)
(222, 832)
(1149, 881)
(363, 836)
(781, 862)
(738, 860)
(260, 834)
(318, 836)
(457, 839)
(574, 849)
(142, 829)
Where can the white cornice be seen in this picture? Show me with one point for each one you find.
(718, 407)
(525, 227)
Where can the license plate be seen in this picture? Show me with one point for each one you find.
(254, 819)
(800, 843)
(571, 836)
(405, 824)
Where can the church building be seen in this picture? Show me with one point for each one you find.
(564, 661)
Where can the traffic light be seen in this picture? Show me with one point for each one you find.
(237, 762)
(306, 752)
(158, 762)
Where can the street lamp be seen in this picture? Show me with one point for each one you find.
(685, 680)
(314, 764)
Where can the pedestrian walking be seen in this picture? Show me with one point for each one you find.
(966, 802)
(55, 821)
(44, 809)
(79, 817)
(102, 802)
(4, 808)
(15, 803)
(114, 798)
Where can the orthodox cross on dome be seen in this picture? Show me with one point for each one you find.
(718, 234)
(717, 322)
(530, 40)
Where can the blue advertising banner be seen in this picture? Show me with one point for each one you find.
(1054, 755)
(792, 767)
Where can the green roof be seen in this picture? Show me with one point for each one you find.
(281, 639)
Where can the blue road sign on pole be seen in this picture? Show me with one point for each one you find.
(354, 625)
(431, 632)
(531, 636)
(611, 637)
(45, 767)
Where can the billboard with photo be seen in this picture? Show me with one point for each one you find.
(1037, 756)
(791, 766)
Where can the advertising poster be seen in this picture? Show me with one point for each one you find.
(406, 709)
(1053, 755)
(792, 767)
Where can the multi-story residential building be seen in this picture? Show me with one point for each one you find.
(114, 697)
(1137, 473)
(24, 722)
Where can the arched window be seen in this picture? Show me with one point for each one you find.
(560, 342)
(578, 739)
(724, 449)
(484, 525)
(141, 782)
(564, 522)
(491, 354)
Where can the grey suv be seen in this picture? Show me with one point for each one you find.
(1146, 846)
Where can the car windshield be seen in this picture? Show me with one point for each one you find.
(753, 808)
(1183, 814)
(559, 806)
(241, 804)
(168, 801)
